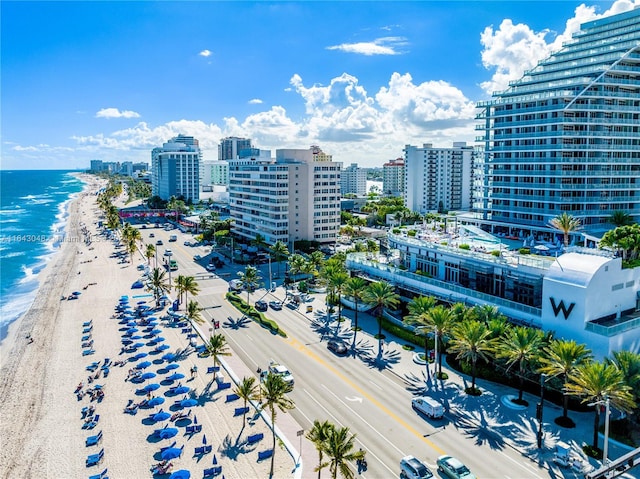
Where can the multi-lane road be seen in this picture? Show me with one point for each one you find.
(354, 391)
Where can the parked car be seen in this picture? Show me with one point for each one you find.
(211, 267)
(168, 252)
(337, 347)
(413, 468)
(261, 305)
(428, 406)
(453, 468)
(159, 243)
(277, 305)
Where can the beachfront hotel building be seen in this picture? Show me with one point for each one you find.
(294, 196)
(438, 179)
(175, 169)
(353, 179)
(584, 294)
(215, 173)
(393, 178)
(230, 147)
(566, 136)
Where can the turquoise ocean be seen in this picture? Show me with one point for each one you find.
(33, 216)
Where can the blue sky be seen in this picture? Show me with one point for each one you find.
(112, 80)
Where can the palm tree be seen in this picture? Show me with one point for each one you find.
(178, 283)
(437, 319)
(217, 346)
(596, 382)
(158, 284)
(420, 305)
(355, 288)
(521, 346)
(280, 252)
(620, 218)
(194, 312)
(380, 296)
(339, 446)
(274, 391)
(190, 285)
(560, 358)
(337, 280)
(318, 435)
(629, 364)
(566, 223)
(149, 252)
(249, 278)
(471, 341)
(247, 390)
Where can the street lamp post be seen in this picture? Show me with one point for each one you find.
(169, 267)
(605, 447)
(539, 409)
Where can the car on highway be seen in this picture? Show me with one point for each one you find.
(151, 235)
(159, 243)
(261, 305)
(337, 347)
(280, 370)
(428, 406)
(413, 468)
(211, 267)
(168, 252)
(277, 305)
(453, 468)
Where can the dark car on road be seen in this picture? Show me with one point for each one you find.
(337, 347)
(159, 242)
(261, 305)
(453, 468)
(277, 305)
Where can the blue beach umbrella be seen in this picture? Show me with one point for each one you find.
(153, 402)
(161, 416)
(172, 366)
(143, 365)
(140, 355)
(167, 432)
(175, 377)
(171, 453)
(164, 347)
(204, 440)
(215, 460)
(127, 341)
(168, 356)
(137, 345)
(151, 387)
(181, 474)
(136, 336)
(149, 375)
(158, 339)
(188, 402)
(181, 390)
(156, 331)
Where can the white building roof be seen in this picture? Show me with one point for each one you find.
(575, 268)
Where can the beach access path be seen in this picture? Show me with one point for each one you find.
(41, 433)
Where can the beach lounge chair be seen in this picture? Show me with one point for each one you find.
(92, 367)
(87, 344)
(86, 337)
(93, 440)
(88, 352)
(213, 369)
(102, 475)
(87, 323)
(94, 459)
(207, 449)
(198, 451)
(92, 423)
(212, 472)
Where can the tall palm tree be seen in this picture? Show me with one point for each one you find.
(337, 281)
(178, 283)
(380, 296)
(620, 218)
(461, 312)
(565, 223)
(158, 284)
(217, 347)
(355, 288)
(471, 341)
(149, 252)
(420, 305)
(280, 252)
(274, 396)
(596, 382)
(560, 358)
(249, 278)
(629, 364)
(521, 346)
(194, 312)
(247, 390)
(438, 320)
(318, 435)
(296, 264)
(190, 285)
(338, 447)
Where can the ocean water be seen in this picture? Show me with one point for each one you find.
(33, 215)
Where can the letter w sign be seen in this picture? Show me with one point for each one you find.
(561, 307)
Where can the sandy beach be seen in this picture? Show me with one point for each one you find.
(41, 424)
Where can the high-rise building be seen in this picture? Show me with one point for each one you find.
(393, 178)
(295, 196)
(215, 173)
(438, 179)
(566, 136)
(353, 180)
(230, 147)
(176, 168)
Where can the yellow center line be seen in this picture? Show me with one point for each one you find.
(303, 348)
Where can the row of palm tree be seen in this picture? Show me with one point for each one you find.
(337, 444)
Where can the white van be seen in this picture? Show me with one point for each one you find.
(428, 406)
(235, 284)
(173, 238)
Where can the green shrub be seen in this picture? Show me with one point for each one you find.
(464, 246)
(253, 314)
(496, 253)
(411, 233)
(396, 231)
(524, 251)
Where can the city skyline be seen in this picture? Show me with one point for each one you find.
(112, 80)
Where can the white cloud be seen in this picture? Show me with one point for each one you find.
(255, 101)
(379, 46)
(115, 113)
(512, 49)
(205, 53)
